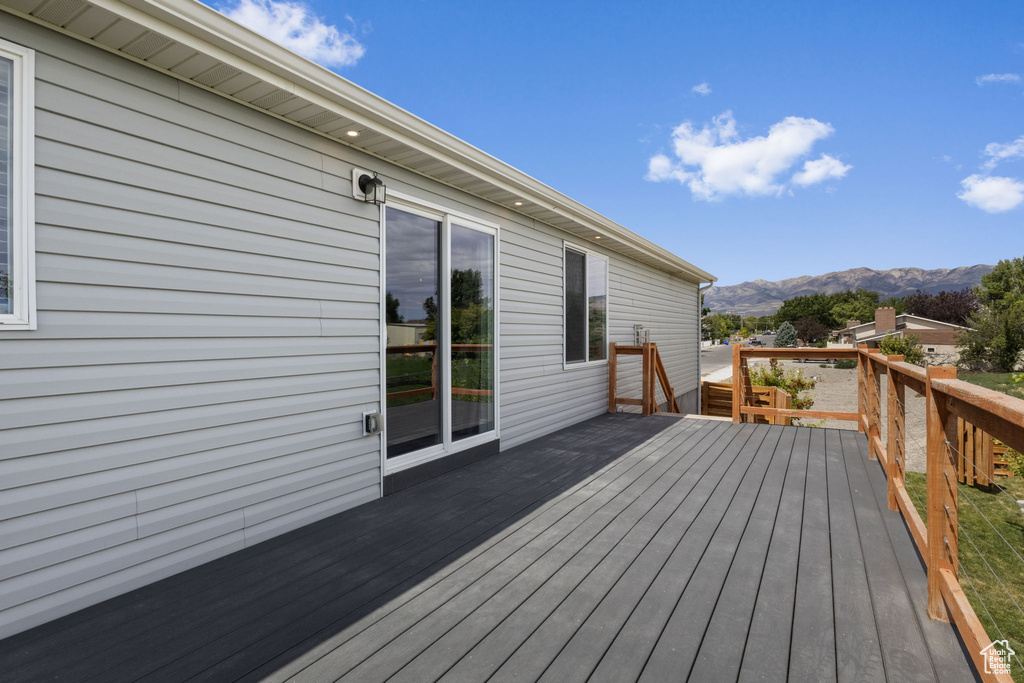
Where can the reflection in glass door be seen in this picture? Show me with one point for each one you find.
(440, 354)
(413, 368)
(472, 332)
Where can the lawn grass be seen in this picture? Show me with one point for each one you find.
(997, 381)
(986, 556)
(410, 371)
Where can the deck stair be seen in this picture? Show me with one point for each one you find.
(652, 371)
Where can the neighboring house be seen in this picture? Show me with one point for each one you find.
(938, 339)
(195, 329)
(403, 334)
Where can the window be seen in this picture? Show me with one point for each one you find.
(17, 286)
(586, 306)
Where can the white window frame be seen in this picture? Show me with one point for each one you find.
(446, 215)
(21, 231)
(586, 363)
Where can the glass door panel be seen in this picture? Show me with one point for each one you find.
(414, 372)
(472, 332)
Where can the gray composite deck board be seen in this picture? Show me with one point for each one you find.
(623, 548)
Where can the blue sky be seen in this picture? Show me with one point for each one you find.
(827, 135)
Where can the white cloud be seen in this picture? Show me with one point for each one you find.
(296, 27)
(820, 170)
(714, 162)
(702, 88)
(997, 152)
(989, 79)
(993, 194)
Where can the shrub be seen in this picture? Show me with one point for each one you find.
(846, 364)
(785, 336)
(792, 382)
(906, 346)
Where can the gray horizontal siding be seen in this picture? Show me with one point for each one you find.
(208, 336)
(538, 394)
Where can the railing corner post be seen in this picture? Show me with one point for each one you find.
(737, 389)
(862, 386)
(613, 360)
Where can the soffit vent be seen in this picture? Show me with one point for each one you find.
(320, 119)
(272, 99)
(60, 12)
(147, 46)
(217, 74)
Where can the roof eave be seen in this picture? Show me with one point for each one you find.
(207, 30)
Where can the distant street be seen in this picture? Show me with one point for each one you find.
(718, 357)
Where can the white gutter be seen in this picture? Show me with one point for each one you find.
(700, 340)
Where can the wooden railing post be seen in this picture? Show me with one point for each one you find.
(647, 375)
(737, 382)
(895, 431)
(613, 361)
(942, 492)
(433, 374)
(874, 402)
(862, 386)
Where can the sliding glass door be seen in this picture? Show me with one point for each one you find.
(440, 318)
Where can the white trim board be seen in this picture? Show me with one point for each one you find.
(21, 227)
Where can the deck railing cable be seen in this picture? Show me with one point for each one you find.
(962, 570)
(933, 493)
(991, 619)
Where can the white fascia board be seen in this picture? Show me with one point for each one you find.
(930, 320)
(210, 32)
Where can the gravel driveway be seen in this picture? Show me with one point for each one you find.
(837, 390)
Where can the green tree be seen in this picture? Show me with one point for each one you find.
(996, 338)
(907, 346)
(834, 310)
(719, 325)
(391, 309)
(750, 322)
(472, 313)
(705, 324)
(785, 336)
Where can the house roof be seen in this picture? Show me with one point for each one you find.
(901, 322)
(197, 44)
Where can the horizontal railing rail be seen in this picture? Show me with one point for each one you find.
(950, 404)
(432, 387)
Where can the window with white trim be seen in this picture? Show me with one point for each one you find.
(586, 306)
(17, 253)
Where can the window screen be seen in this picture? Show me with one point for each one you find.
(575, 306)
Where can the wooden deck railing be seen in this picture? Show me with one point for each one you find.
(716, 401)
(950, 405)
(652, 371)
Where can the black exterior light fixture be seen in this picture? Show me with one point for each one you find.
(373, 188)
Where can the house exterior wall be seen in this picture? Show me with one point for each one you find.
(209, 333)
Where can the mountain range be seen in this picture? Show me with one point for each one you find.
(760, 297)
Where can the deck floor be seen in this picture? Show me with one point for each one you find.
(624, 548)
